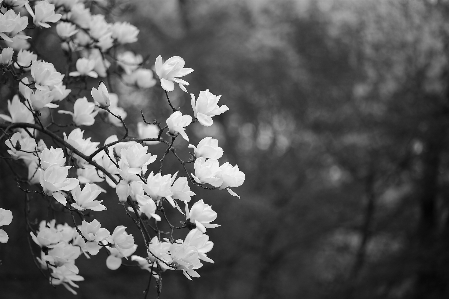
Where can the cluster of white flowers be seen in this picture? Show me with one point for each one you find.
(68, 169)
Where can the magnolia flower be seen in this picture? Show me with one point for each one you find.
(47, 235)
(6, 56)
(123, 242)
(143, 263)
(159, 186)
(231, 176)
(85, 199)
(60, 92)
(25, 59)
(65, 30)
(206, 171)
(101, 95)
(85, 146)
(5, 219)
(22, 146)
(206, 106)
(45, 13)
(42, 98)
(181, 189)
(124, 33)
(135, 158)
(170, 71)
(148, 131)
(82, 39)
(147, 207)
(11, 24)
(98, 26)
(45, 74)
(62, 253)
(20, 24)
(18, 42)
(142, 78)
(105, 42)
(101, 65)
(201, 215)
(34, 172)
(159, 253)
(80, 15)
(83, 112)
(68, 233)
(208, 148)
(116, 111)
(123, 191)
(201, 242)
(18, 111)
(93, 235)
(88, 174)
(52, 156)
(129, 61)
(177, 122)
(84, 67)
(66, 275)
(185, 258)
(54, 179)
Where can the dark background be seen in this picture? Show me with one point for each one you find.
(339, 117)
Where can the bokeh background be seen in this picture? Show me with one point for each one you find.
(339, 116)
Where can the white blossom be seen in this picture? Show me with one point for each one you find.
(177, 122)
(186, 258)
(129, 61)
(6, 56)
(18, 111)
(159, 186)
(11, 24)
(52, 156)
(83, 112)
(98, 27)
(206, 171)
(231, 176)
(85, 198)
(84, 67)
(101, 95)
(124, 33)
(170, 71)
(65, 30)
(135, 158)
(54, 179)
(5, 219)
(115, 111)
(66, 275)
(25, 59)
(45, 74)
(202, 215)
(22, 146)
(44, 13)
(206, 106)
(148, 131)
(142, 78)
(201, 242)
(181, 190)
(80, 15)
(42, 98)
(208, 148)
(93, 236)
(101, 65)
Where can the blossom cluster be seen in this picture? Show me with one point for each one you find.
(71, 171)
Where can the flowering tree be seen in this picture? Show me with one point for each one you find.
(70, 171)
